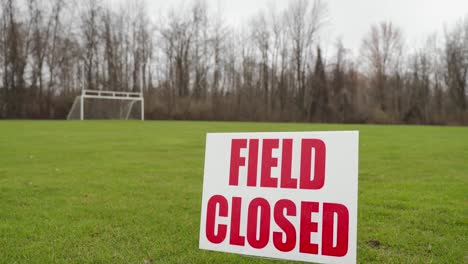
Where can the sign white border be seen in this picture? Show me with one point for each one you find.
(341, 187)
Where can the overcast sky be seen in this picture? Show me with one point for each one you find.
(350, 19)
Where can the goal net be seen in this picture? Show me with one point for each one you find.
(101, 105)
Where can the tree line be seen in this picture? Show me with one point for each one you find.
(191, 64)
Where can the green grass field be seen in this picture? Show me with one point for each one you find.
(130, 192)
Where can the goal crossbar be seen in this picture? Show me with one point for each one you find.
(112, 95)
(109, 95)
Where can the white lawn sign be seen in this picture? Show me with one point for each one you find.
(290, 196)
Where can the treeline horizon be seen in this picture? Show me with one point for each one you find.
(191, 65)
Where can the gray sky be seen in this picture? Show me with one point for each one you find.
(351, 19)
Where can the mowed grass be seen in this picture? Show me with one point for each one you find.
(130, 192)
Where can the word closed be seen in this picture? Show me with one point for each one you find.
(288, 196)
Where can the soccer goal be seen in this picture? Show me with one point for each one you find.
(92, 104)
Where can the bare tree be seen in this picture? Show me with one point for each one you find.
(3, 54)
(319, 107)
(90, 33)
(200, 53)
(217, 39)
(16, 46)
(456, 60)
(141, 47)
(382, 51)
(340, 93)
(418, 89)
(261, 37)
(304, 19)
(280, 59)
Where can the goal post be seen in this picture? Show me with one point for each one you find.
(94, 104)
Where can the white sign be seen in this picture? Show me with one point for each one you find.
(287, 196)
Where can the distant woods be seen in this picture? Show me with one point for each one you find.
(192, 65)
